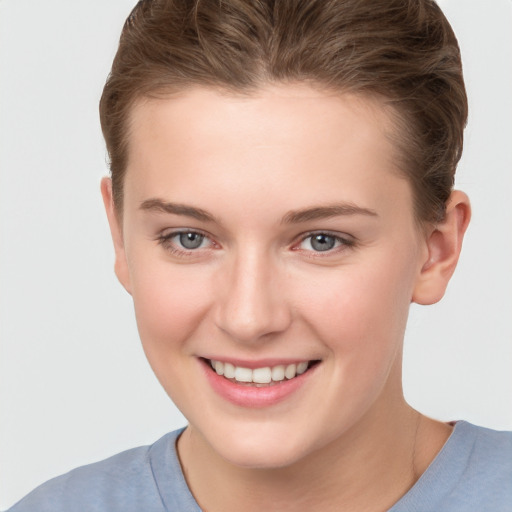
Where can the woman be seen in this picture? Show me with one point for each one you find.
(281, 192)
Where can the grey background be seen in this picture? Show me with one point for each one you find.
(74, 383)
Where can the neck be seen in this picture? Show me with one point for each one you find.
(368, 468)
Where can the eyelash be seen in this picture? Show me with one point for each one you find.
(344, 243)
(165, 240)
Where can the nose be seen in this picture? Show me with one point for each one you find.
(252, 305)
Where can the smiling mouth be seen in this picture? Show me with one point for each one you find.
(260, 377)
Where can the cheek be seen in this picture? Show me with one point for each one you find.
(360, 313)
(169, 303)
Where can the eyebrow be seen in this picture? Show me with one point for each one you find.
(157, 205)
(324, 212)
(292, 217)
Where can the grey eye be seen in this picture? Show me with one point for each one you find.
(191, 240)
(322, 242)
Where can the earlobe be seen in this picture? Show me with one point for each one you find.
(444, 243)
(121, 265)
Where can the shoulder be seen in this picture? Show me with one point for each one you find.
(473, 471)
(122, 482)
(490, 455)
(489, 461)
(481, 465)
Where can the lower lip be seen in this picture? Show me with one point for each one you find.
(252, 396)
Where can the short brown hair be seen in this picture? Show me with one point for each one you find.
(403, 51)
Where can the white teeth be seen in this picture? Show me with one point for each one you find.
(290, 371)
(219, 367)
(263, 375)
(301, 368)
(243, 374)
(229, 371)
(278, 373)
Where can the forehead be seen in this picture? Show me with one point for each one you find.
(303, 142)
(273, 113)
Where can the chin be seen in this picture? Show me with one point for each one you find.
(263, 448)
(258, 456)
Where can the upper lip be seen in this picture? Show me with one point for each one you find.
(259, 363)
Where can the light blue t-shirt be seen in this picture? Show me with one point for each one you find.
(472, 473)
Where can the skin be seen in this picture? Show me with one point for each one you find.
(257, 289)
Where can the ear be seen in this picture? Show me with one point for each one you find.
(116, 230)
(444, 243)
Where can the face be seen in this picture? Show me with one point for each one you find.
(272, 237)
